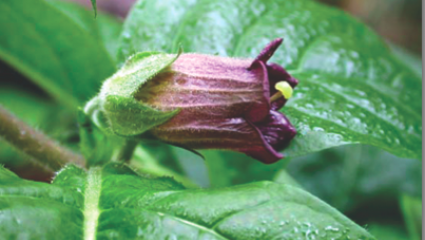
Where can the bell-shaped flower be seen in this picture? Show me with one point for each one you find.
(200, 101)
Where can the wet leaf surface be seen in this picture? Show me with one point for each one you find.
(114, 202)
(61, 56)
(352, 88)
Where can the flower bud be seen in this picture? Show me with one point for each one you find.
(200, 102)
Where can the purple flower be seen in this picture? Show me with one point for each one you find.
(225, 103)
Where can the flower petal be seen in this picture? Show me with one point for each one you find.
(277, 130)
(276, 74)
(210, 85)
(269, 50)
(264, 152)
(261, 108)
(234, 134)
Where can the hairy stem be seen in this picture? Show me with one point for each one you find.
(127, 151)
(32, 169)
(34, 143)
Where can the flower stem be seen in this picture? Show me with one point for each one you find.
(32, 169)
(35, 144)
(127, 150)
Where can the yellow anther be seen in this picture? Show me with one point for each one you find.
(284, 88)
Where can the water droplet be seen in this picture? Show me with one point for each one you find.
(126, 35)
(332, 229)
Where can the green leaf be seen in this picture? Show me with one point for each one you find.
(104, 27)
(411, 60)
(284, 177)
(93, 3)
(412, 211)
(34, 109)
(217, 169)
(110, 29)
(186, 162)
(352, 88)
(115, 203)
(147, 163)
(354, 177)
(53, 50)
(164, 154)
(227, 168)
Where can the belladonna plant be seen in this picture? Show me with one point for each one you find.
(199, 101)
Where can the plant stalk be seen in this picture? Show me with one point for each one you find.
(127, 150)
(34, 143)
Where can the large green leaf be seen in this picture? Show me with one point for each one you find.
(104, 27)
(354, 178)
(230, 168)
(352, 88)
(115, 203)
(412, 211)
(53, 50)
(146, 163)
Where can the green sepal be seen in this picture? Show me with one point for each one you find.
(138, 69)
(95, 146)
(116, 111)
(129, 117)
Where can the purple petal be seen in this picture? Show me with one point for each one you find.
(264, 152)
(260, 109)
(276, 74)
(213, 86)
(269, 50)
(234, 134)
(277, 130)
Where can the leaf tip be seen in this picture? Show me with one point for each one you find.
(93, 3)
